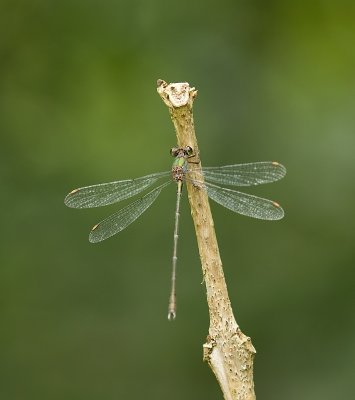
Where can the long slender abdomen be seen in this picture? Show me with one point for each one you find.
(172, 299)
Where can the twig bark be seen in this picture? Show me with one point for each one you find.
(227, 350)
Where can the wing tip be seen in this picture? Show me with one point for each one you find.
(280, 210)
(95, 227)
(281, 169)
(68, 198)
(94, 235)
(277, 164)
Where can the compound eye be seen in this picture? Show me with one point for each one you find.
(189, 151)
(174, 151)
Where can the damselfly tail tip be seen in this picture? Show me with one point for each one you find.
(171, 315)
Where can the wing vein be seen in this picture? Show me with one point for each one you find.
(104, 194)
(245, 204)
(245, 174)
(125, 216)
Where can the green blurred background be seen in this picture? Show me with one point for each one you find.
(78, 106)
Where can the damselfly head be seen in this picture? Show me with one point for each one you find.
(181, 151)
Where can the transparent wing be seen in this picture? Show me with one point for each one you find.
(245, 174)
(121, 219)
(109, 193)
(245, 204)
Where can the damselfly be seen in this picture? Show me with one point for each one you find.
(231, 175)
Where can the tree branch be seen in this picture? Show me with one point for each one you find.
(227, 350)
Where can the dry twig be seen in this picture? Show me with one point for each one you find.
(227, 350)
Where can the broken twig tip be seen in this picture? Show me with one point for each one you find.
(161, 82)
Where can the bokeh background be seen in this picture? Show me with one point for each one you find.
(78, 106)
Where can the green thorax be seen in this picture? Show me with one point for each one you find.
(180, 162)
(179, 168)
